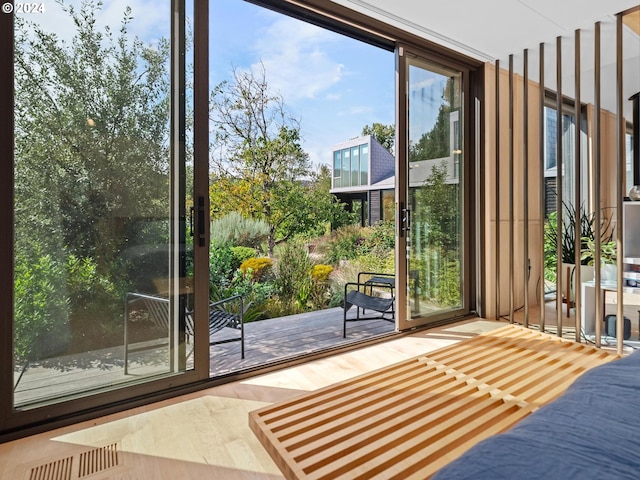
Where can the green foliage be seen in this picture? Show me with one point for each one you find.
(41, 306)
(91, 177)
(569, 225)
(384, 134)
(256, 268)
(91, 293)
(378, 238)
(447, 288)
(438, 206)
(237, 230)
(92, 120)
(293, 280)
(344, 244)
(240, 254)
(608, 252)
(221, 265)
(254, 298)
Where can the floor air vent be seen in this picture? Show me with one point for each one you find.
(98, 459)
(58, 470)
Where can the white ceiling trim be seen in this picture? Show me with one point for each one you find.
(425, 32)
(491, 29)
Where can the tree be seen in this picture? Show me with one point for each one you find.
(91, 158)
(326, 209)
(436, 143)
(258, 164)
(438, 206)
(384, 134)
(91, 134)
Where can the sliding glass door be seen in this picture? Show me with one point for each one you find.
(102, 289)
(431, 200)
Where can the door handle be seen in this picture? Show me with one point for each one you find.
(404, 214)
(200, 225)
(191, 211)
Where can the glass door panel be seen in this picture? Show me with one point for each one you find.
(434, 216)
(101, 284)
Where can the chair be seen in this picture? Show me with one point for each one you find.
(384, 280)
(220, 317)
(359, 297)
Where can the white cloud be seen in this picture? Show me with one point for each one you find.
(358, 110)
(149, 21)
(295, 58)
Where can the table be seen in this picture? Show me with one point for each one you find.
(588, 314)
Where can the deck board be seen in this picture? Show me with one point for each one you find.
(266, 341)
(410, 419)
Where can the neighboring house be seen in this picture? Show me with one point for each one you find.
(363, 177)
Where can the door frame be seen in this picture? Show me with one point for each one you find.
(15, 423)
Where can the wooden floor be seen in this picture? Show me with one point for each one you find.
(205, 434)
(265, 341)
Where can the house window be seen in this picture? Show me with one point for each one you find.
(346, 168)
(364, 164)
(388, 205)
(355, 166)
(568, 132)
(550, 137)
(337, 166)
(351, 166)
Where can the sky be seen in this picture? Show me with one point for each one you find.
(332, 84)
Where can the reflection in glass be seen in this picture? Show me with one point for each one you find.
(93, 208)
(435, 255)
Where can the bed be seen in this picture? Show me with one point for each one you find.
(591, 431)
(409, 420)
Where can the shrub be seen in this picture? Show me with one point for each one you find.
(221, 264)
(344, 243)
(256, 268)
(89, 292)
(41, 306)
(240, 254)
(319, 285)
(379, 237)
(447, 289)
(293, 280)
(254, 297)
(235, 229)
(320, 273)
(96, 305)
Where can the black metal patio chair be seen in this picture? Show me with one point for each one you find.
(221, 316)
(361, 294)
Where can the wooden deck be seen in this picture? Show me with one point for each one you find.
(265, 341)
(410, 419)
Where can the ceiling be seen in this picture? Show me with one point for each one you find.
(491, 29)
(495, 29)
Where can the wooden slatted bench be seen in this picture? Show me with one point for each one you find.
(410, 419)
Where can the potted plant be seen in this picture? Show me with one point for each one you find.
(570, 223)
(608, 258)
